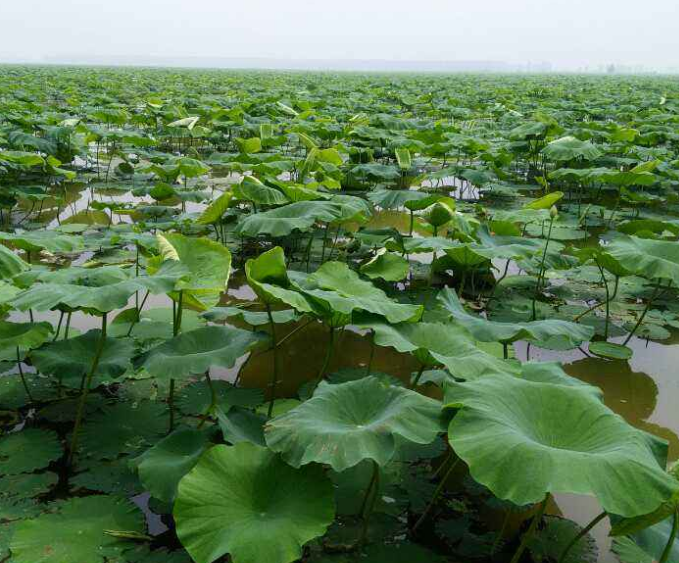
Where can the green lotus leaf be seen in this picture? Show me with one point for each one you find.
(252, 189)
(267, 275)
(108, 476)
(550, 542)
(24, 336)
(13, 394)
(194, 352)
(387, 266)
(335, 288)
(10, 264)
(651, 259)
(570, 148)
(214, 212)
(253, 318)
(648, 545)
(439, 343)
(208, 263)
(545, 202)
(282, 221)
(571, 442)
(35, 241)
(77, 532)
(393, 199)
(341, 425)
(238, 495)
(18, 487)
(28, 450)
(195, 399)
(494, 331)
(610, 350)
(242, 425)
(123, 428)
(70, 360)
(161, 467)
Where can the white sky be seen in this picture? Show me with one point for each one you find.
(567, 33)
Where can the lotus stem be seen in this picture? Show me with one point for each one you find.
(670, 542)
(436, 495)
(178, 318)
(170, 404)
(86, 390)
(325, 242)
(274, 379)
(541, 271)
(500, 533)
(643, 315)
(213, 399)
(23, 378)
(531, 530)
(372, 353)
(369, 505)
(328, 356)
(68, 325)
(293, 332)
(581, 534)
(61, 319)
(417, 378)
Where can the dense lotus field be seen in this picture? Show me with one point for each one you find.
(277, 317)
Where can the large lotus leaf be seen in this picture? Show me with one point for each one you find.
(103, 289)
(34, 241)
(417, 245)
(252, 189)
(123, 428)
(523, 439)
(26, 485)
(267, 275)
(77, 532)
(254, 318)
(342, 425)
(439, 343)
(208, 263)
(647, 546)
(106, 476)
(24, 336)
(245, 501)
(196, 398)
(485, 330)
(387, 266)
(393, 199)
(28, 450)
(72, 359)
(550, 542)
(569, 148)
(506, 247)
(648, 258)
(194, 352)
(282, 221)
(10, 264)
(336, 288)
(161, 467)
(13, 393)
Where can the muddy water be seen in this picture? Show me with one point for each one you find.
(645, 390)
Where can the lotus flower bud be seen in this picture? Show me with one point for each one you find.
(553, 212)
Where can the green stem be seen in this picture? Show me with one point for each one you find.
(581, 534)
(416, 380)
(670, 542)
(178, 318)
(170, 404)
(643, 315)
(213, 399)
(68, 325)
(274, 379)
(23, 378)
(86, 390)
(372, 353)
(531, 530)
(436, 495)
(61, 320)
(369, 506)
(328, 357)
(541, 271)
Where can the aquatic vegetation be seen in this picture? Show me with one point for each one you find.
(303, 317)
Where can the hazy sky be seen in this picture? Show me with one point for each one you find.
(568, 33)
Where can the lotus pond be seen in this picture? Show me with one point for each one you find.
(331, 318)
